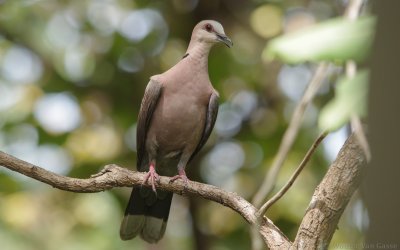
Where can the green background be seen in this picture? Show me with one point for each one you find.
(72, 75)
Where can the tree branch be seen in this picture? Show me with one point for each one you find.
(114, 176)
(316, 229)
(331, 197)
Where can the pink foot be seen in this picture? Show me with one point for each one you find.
(181, 175)
(152, 177)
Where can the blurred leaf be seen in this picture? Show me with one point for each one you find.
(350, 99)
(8, 184)
(335, 40)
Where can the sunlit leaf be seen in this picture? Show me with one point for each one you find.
(336, 40)
(350, 99)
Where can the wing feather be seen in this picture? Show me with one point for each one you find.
(212, 112)
(149, 102)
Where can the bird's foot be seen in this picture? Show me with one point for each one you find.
(152, 177)
(181, 175)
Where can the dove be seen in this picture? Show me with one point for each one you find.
(177, 114)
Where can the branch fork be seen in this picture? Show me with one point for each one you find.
(332, 194)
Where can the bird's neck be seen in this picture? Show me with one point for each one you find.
(198, 54)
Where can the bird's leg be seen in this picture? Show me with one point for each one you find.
(152, 176)
(181, 175)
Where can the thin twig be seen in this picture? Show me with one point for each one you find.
(114, 176)
(294, 176)
(353, 9)
(352, 13)
(290, 134)
(358, 129)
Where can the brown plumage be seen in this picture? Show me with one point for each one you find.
(177, 114)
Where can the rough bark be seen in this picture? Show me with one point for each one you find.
(331, 197)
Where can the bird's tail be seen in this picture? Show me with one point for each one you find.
(146, 214)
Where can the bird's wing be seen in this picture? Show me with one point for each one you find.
(149, 102)
(211, 117)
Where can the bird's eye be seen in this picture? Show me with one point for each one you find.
(209, 27)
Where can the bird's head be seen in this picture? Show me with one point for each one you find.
(212, 32)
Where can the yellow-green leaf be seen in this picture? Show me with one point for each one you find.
(336, 40)
(350, 99)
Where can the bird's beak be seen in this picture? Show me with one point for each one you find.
(223, 38)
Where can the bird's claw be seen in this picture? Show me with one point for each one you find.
(152, 177)
(181, 175)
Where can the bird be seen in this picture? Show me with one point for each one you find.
(177, 114)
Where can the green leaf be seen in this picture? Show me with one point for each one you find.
(350, 99)
(336, 40)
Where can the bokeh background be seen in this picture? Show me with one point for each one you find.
(72, 75)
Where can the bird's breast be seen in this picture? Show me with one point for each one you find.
(178, 121)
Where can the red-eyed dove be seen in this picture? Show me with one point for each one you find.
(177, 114)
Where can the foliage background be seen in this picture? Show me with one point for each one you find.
(72, 74)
